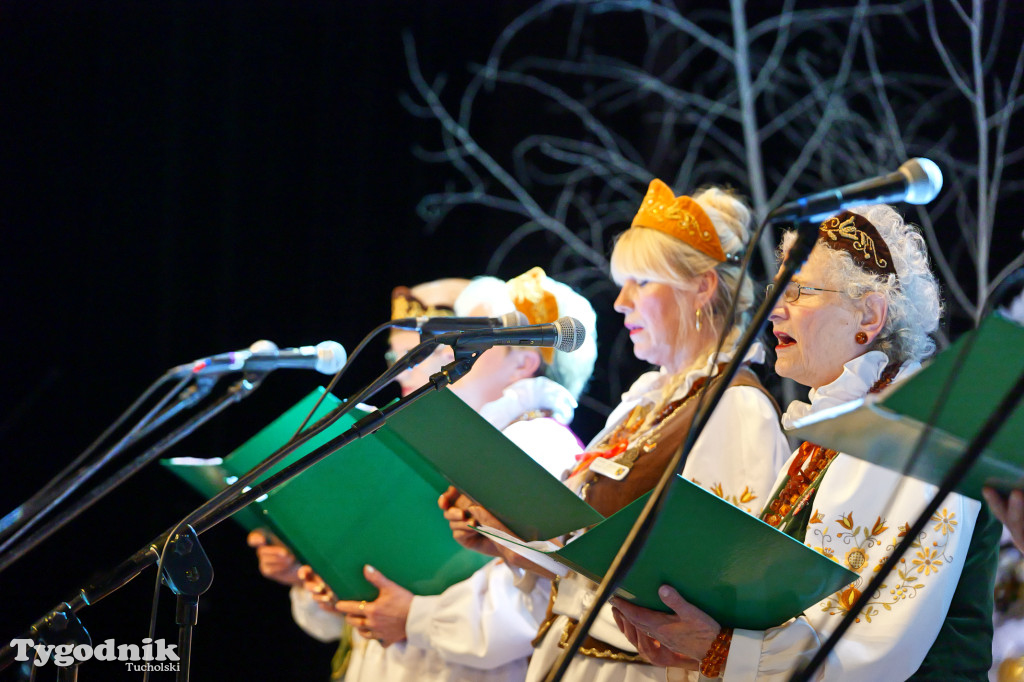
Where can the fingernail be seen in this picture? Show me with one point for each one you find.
(370, 569)
(664, 591)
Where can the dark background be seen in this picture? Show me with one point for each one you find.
(179, 180)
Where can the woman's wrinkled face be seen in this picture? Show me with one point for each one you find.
(815, 334)
(402, 341)
(653, 315)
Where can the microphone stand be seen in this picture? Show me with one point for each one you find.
(20, 520)
(239, 494)
(237, 392)
(634, 542)
(953, 477)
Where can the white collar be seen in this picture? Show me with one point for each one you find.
(536, 393)
(857, 378)
(648, 386)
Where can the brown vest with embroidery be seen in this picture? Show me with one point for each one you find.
(608, 496)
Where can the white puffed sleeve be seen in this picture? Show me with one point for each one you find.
(739, 453)
(483, 622)
(313, 620)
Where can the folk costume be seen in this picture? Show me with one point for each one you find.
(481, 629)
(932, 618)
(857, 512)
(736, 457)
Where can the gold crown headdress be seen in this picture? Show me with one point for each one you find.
(680, 217)
(534, 301)
(856, 235)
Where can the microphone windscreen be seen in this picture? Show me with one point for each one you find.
(514, 319)
(331, 357)
(263, 346)
(571, 334)
(924, 180)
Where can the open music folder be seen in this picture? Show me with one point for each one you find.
(730, 564)
(361, 505)
(374, 502)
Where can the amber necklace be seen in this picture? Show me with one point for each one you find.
(807, 467)
(616, 442)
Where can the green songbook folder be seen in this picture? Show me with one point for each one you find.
(729, 564)
(372, 502)
(209, 476)
(476, 458)
(967, 381)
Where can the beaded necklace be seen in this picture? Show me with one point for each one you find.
(616, 442)
(802, 481)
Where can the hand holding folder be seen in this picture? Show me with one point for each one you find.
(727, 563)
(371, 502)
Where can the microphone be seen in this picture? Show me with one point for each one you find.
(264, 356)
(441, 325)
(565, 334)
(917, 181)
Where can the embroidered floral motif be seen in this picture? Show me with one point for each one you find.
(946, 522)
(856, 559)
(928, 561)
(817, 517)
(742, 500)
(929, 556)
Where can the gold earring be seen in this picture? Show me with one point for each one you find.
(698, 319)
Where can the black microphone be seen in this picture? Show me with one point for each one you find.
(917, 181)
(264, 356)
(564, 334)
(440, 325)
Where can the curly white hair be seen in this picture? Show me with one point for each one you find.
(912, 295)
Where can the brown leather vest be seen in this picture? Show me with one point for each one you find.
(608, 496)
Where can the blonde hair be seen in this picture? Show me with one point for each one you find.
(646, 254)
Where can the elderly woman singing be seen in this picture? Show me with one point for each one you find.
(854, 319)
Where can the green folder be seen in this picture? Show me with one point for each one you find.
(209, 476)
(460, 445)
(364, 504)
(729, 564)
(974, 374)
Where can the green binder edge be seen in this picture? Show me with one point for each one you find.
(320, 514)
(886, 431)
(728, 563)
(479, 460)
(209, 477)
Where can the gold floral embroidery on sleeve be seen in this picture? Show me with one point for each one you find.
(741, 500)
(928, 555)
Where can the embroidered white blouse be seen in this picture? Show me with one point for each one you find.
(737, 456)
(859, 514)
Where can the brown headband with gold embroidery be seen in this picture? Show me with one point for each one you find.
(405, 304)
(856, 235)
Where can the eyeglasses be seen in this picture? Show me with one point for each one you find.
(793, 290)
